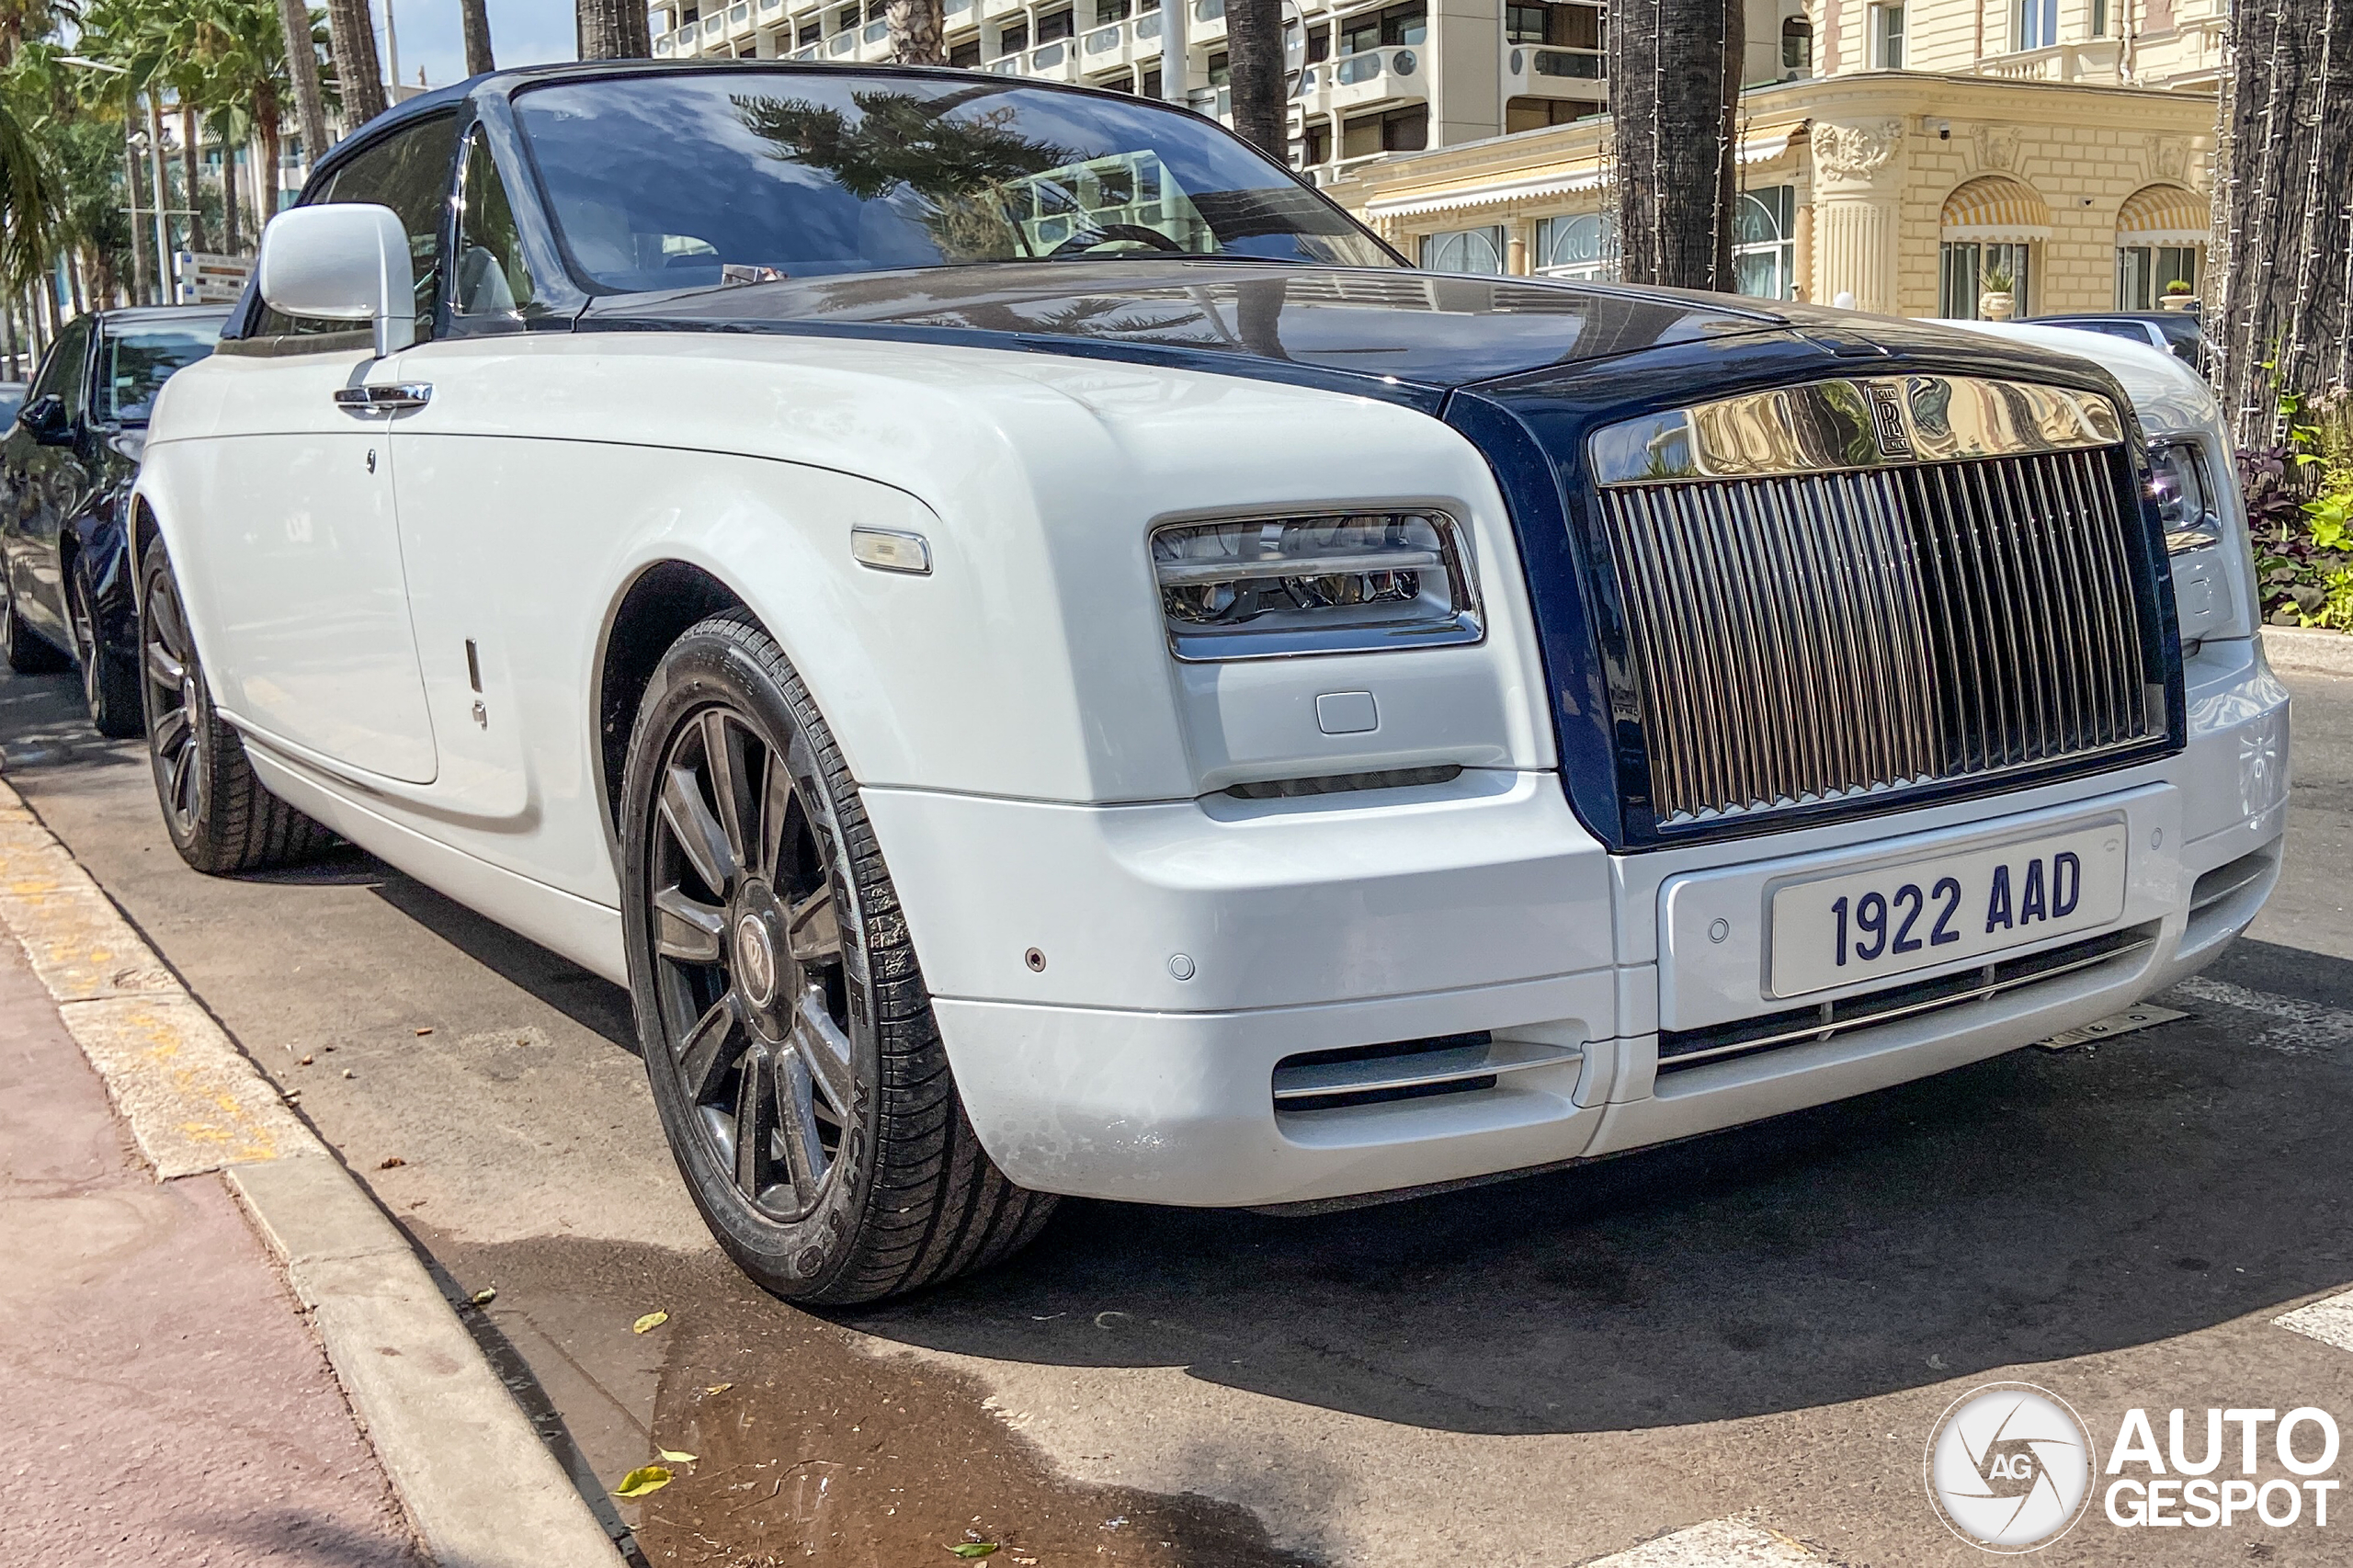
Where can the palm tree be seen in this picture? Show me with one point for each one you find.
(1674, 69)
(919, 32)
(617, 30)
(359, 77)
(301, 58)
(475, 15)
(30, 203)
(2282, 316)
(1254, 52)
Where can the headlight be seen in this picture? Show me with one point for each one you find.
(2185, 497)
(1355, 582)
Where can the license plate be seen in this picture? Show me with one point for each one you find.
(1869, 925)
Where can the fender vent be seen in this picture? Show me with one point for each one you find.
(1404, 1070)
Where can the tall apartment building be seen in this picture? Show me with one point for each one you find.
(1911, 155)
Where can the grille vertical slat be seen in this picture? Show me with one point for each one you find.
(1808, 637)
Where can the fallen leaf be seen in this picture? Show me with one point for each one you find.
(390, 1162)
(675, 1456)
(719, 1388)
(645, 1478)
(973, 1548)
(650, 1320)
(484, 1296)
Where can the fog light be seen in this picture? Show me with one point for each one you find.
(1356, 581)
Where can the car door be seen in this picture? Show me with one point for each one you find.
(43, 479)
(298, 583)
(472, 503)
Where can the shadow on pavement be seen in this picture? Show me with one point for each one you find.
(2031, 1207)
(46, 729)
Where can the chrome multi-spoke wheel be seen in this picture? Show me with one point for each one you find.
(788, 1037)
(218, 817)
(753, 978)
(176, 706)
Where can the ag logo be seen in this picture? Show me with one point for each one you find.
(2010, 1467)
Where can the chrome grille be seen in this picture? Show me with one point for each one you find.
(1806, 637)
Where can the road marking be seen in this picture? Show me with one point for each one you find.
(2306, 1029)
(1719, 1543)
(2330, 1322)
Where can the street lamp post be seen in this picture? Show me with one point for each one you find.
(130, 179)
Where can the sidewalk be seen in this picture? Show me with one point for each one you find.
(167, 1403)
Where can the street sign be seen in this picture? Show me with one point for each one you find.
(205, 279)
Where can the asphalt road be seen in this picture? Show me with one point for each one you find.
(1762, 1324)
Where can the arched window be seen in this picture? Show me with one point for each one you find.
(1992, 228)
(1763, 254)
(1797, 47)
(1584, 247)
(1464, 250)
(2160, 240)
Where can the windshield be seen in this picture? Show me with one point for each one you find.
(135, 362)
(728, 176)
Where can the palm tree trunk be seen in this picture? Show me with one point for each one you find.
(2282, 297)
(614, 29)
(1674, 70)
(1253, 49)
(266, 177)
(351, 30)
(189, 165)
(918, 30)
(231, 244)
(302, 69)
(476, 15)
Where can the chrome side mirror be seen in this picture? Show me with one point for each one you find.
(342, 262)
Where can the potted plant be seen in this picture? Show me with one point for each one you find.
(2177, 296)
(1999, 301)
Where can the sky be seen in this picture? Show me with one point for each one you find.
(522, 32)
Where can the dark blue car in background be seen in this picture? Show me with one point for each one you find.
(66, 468)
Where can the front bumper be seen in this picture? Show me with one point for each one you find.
(1190, 948)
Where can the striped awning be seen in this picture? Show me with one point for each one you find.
(2163, 215)
(1535, 188)
(1992, 208)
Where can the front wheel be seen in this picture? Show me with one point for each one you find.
(218, 817)
(110, 680)
(787, 1032)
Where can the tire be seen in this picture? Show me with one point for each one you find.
(110, 681)
(218, 817)
(30, 653)
(773, 977)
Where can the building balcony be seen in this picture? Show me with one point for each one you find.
(1369, 76)
(1120, 43)
(1208, 25)
(1545, 70)
(1055, 61)
(2094, 59)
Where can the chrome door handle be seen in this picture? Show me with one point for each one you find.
(389, 397)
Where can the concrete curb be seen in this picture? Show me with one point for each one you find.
(479, 1485)
(2318, 653)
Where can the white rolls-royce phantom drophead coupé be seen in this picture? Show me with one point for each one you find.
(1050, 662)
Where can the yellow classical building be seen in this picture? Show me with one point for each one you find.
(1915, 158)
